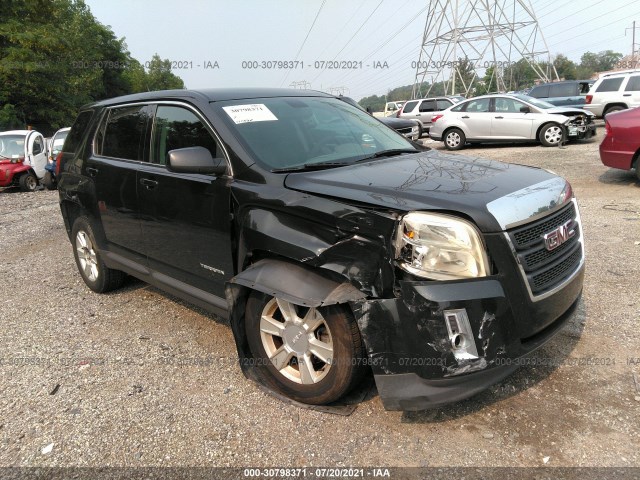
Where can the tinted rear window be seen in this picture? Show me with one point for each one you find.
(563, 90)
(540, 92)
(610, 85)
(78, 129)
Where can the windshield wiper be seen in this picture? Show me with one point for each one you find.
(310, 166)
(388, 153)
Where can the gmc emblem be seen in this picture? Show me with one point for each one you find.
(557, 237)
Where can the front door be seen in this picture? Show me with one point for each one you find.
(36, 153)
(508, 122)
(185, 217)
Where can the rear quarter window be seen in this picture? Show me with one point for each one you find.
(78, 129)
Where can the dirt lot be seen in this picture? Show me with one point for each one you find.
(138, 378)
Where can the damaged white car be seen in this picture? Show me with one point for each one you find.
(510, 118)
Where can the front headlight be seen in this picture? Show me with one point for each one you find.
(440, 247)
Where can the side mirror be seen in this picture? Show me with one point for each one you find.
(525, 109)
(195, 160)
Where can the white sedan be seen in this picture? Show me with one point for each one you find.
(509, 118)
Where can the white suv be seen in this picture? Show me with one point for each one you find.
(613, 92)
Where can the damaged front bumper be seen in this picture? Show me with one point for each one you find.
(416, 362)
(580, 128)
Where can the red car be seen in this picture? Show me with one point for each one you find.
(621, 145)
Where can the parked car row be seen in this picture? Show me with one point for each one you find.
(27, 161)
(509, 118)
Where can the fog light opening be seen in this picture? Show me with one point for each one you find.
(461, 338)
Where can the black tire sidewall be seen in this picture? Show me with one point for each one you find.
(25, 178)
(340, 378)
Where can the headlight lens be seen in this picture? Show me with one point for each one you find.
(440, 247)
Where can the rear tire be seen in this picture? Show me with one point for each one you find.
(48, 181)
(94, 272)
(454, 139)
(28, 182)
(310, 355)
(609, 110)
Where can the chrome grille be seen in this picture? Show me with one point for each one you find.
(545, 269)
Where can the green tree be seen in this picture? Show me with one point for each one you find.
(55, 56)
(160, 76)
(566, 68)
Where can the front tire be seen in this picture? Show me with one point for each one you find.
(454, 139)
(311, 355)
(28, 182)
(94, 272)
(551, 135)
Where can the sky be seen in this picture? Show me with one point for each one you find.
(237, 43)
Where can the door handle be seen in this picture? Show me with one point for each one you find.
(626, 94)
(466, 116)
(92, 171)
(148, 183)
(418, 114)
(499, 117)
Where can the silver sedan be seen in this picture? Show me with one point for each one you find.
(509, 118)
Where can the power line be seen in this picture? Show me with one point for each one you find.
(352, 37)
(305, 39)
(592, 19)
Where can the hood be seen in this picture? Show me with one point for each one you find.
(568, 111)
(435, 181)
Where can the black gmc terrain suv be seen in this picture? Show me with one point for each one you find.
(332, 244)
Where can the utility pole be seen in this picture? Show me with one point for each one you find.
(633, 40)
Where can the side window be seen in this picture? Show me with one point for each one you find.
(633, 85)
(610, 85)
(480, 105)
(409, 106)
(177, 127)
(123, 134)
(508, 105)
(540, 92)
(563, 90)
(38, 146)
(459, 108)
(428, 106)
(443, 104)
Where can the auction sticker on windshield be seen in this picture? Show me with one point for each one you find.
(257, 112)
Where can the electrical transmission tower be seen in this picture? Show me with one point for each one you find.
(462, 37)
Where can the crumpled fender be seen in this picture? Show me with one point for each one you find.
(292, 282)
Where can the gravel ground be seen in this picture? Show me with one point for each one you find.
(138, 378)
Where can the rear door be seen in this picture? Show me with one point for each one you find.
(476, 118)
(185, 217)
(119, 150)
